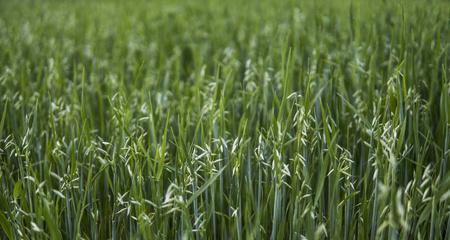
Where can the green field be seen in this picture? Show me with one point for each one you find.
(213, 119)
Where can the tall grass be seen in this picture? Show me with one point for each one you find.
(224, 120)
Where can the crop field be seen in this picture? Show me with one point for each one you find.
(213, 119)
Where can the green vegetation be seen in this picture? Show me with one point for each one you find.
(224, 119)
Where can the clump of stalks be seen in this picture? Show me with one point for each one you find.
(224, 120)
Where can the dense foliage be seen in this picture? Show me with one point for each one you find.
(218, 119)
